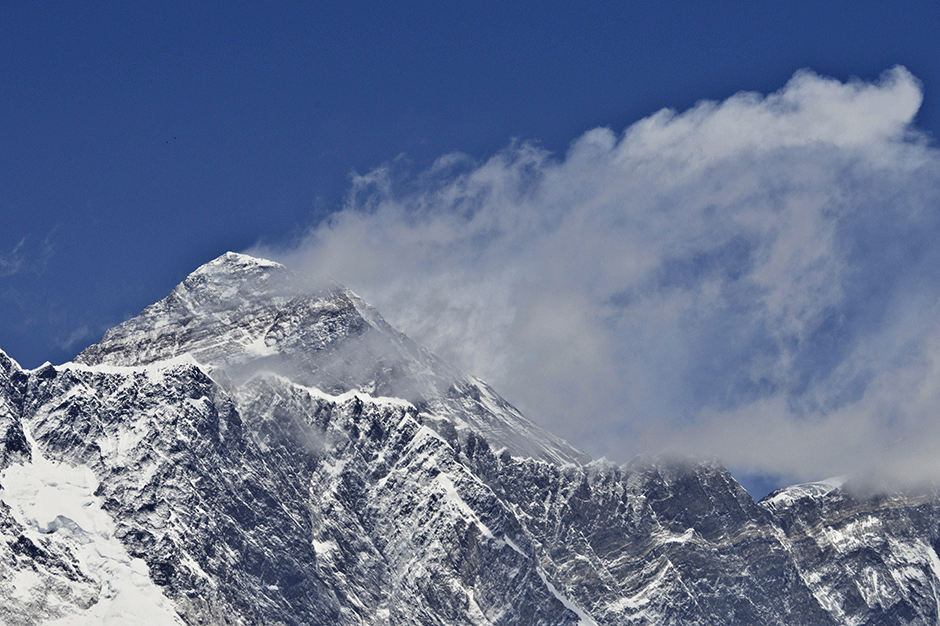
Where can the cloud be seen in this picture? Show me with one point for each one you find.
(12, 261)
(757, 279)
(27, 258)
(75, 336)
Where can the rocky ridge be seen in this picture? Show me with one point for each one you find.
(266, 454)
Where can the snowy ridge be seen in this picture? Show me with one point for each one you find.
(789, 495)
(340, 398)
(247, 452)
(154, 367)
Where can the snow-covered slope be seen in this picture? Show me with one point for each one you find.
(54, 508)
(867, 559)
(248, 451)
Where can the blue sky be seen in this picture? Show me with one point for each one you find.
(137, 142)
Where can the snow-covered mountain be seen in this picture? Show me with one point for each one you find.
(249, 451)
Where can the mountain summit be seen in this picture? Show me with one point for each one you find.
(254, 450)
(245, 318)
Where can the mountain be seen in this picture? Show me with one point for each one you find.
(256, 450)
(240, 317)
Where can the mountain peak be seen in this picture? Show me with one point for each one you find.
(239, 276)
(245, 317)
(233, 262)
(231, 310)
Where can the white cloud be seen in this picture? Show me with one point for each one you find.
(27, 257)
(756, 279)
(75, 336)
(12, 261)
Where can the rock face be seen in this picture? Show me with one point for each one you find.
(247, 452)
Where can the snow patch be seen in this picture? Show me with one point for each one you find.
(260, 348)
(451, 495)
(324, 548)
(585, 619)
(512, 544)
(362, 396)
(52, 498)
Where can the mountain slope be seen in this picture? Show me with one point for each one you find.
(244, 316)
(250, 451)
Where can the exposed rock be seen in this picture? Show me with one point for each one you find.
(264, 454)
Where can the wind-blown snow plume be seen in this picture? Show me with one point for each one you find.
(757, 279)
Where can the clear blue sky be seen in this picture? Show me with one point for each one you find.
(139, 140)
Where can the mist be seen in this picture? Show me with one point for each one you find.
(755, 279)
